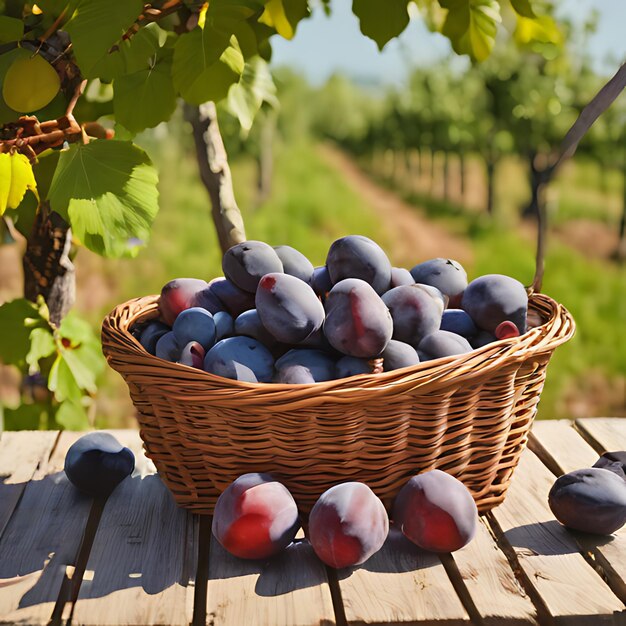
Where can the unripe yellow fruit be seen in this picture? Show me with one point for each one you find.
(30, 84)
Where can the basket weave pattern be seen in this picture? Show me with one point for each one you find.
(468, 415)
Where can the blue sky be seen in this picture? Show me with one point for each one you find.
(324, 45)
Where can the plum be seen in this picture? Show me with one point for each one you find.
(442, 343)
(224, 325)
(400, 276)
(295, 263)
(195, 324)
(436, 512)
(445, 274)
(351, 366)
(613, 461)
(347, 525)
(240, 358)
(249, 324)
(506, 330)
(592, 500)
(233, 300)
(304, 366)
(320, 281)
(192, 355)
(397, 355)
(177, 295)
(255, 517)
(459, 322)
(151, 333)
(167, 347)
(97, 463)
(246, 263)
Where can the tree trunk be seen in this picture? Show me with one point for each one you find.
(462, 166)
(491, 177)
(48, 270)
(620, 253)
(265, 161)
(215, 174)
(446, 175)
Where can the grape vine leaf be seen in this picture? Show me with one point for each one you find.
(71, 415)
(96, 26)
(284, 15)
(16, 178)
(381, 21)
(18, 319)
(107, 191)
(11, 29)
(205, 65)
(146, 97)
(41, 346)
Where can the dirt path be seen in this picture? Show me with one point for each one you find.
(415, 238)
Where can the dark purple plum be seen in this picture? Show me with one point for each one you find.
(320, 281)
(240, 358)
(442, 343)
(442, 299)
(255, 517)
(358, 322)
(303, 366)
(397, 355)
(195, 324)
(436, 512)
(356, 256)
(592, 500)
(347, 525)
(206, 299)
(232, 299)
(249, 324)
(295, 263)
(168, 348)
(459, 322)
(246, 263)
(482, 338)
(400, 276)
(414, 312)
(445, 274)
(192, 355)
(151, 333)
(495, 298)
(613, 461)
(178, 295)
(224, 325)
(351, 366)
(288, 308)
(97, 463)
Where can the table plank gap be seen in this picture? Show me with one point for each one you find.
(604, 434)
(400, 584)
(142, 562)
(570, 452)
(456, 578)
(21, 454)
(290, 589)
(548, 554)
(202, 571)
(335, 593)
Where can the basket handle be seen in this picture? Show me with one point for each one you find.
(598, 105)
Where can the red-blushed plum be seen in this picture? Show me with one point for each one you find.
(232, 299)
(442, 343)
(347, 525)
(356, 256)
(249, 324)
(358, 322)
(459, 322)
(400, 276)
(592, 500)
(178, 295)
(288, 308)
(495, 298)
(255, 517)
(97, 463)
(441, 298)
(398, 354)
(303, 366)
(613, 461)
(295, 263)
(168, 348)
(240, 358)
(445, 274)
(414, 311)
(351, 366)
(506, 330)
(246, 263)
(195, 324)
(320, 281)
(224, 325)
(151, 333)
(436, 512)
(192, 355)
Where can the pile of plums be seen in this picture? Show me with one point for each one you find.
(274, 317)
(256, 517)
(592, 500)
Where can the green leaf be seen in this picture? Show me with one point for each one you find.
(205, 66)
(85, 363)
(96, 26)
(24, 417)
(16, 178)
(107, 191)
(255, 87)
(62, 382)
(381, 21)
(77, 330)
(71, 415)
(7, 114)
(234, 9)
(11, 29)
(145, 98)
(523, 8)
(18, 318)
(41, 346)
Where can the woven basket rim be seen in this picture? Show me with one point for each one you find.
(557, 328)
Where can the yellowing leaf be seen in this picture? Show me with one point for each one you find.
(274, 16)
(16, 177)
(542, 29)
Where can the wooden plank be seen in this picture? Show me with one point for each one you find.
(142, 563)
(556, 573)
(565, 447)
(41, 541)
(491, 583)
(290, 589)
(400, 584)
(20, 455)
(608, 432)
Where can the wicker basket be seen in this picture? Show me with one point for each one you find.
(468, 415)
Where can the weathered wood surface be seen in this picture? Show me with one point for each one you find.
(138, 559)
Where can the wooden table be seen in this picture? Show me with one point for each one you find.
(138, 559)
